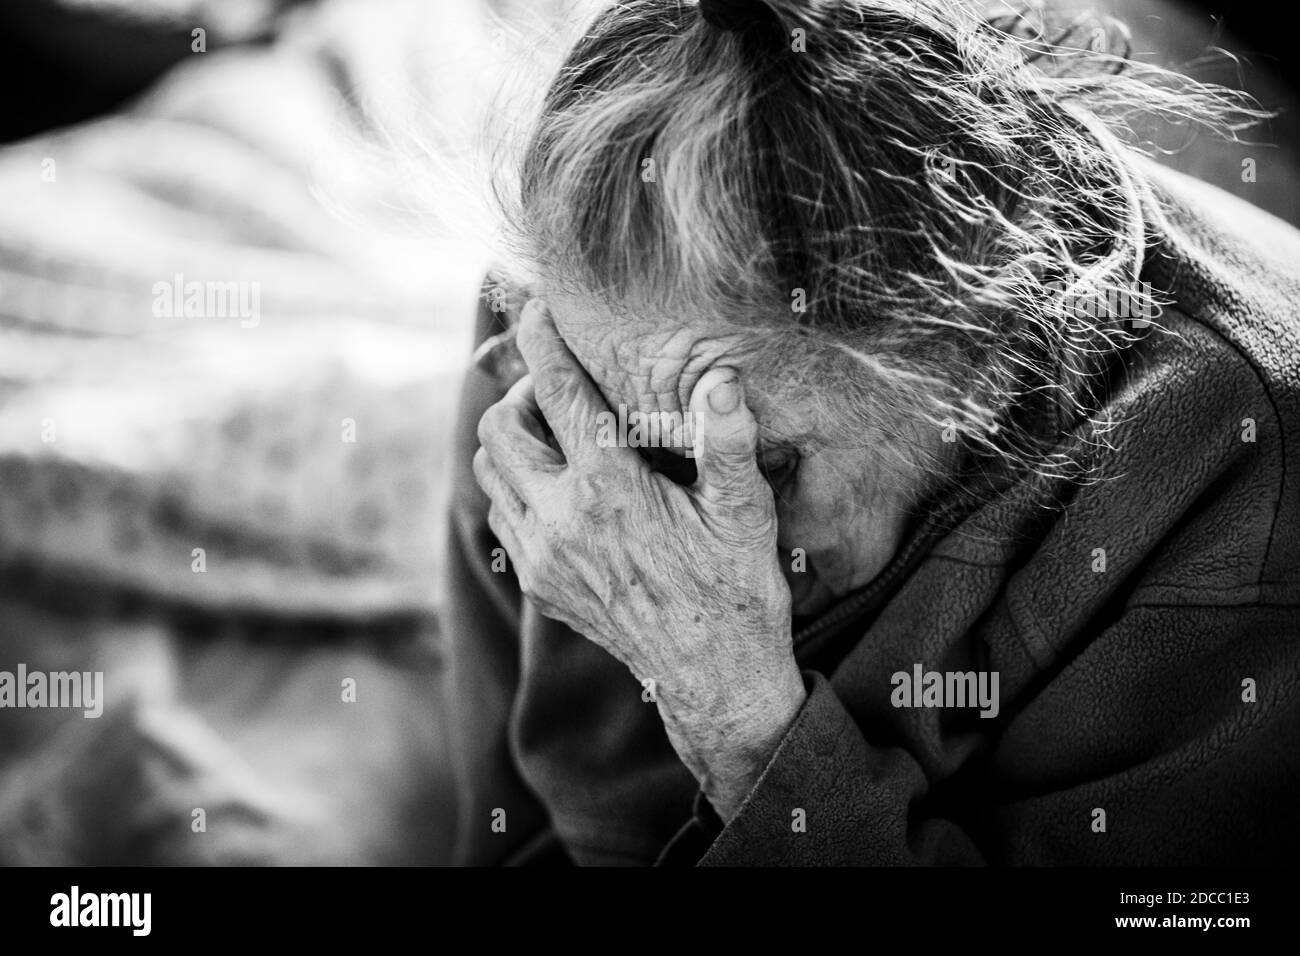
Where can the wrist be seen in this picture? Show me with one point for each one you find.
(748, 745)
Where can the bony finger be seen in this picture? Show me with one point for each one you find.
(517, 441)
(568, 399)
(523, 399)
(726, 438)
(495, 486)
(550, 363)
(523, 396)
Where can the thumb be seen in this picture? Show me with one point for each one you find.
(725, 439)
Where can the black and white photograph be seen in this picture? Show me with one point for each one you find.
(465, 434)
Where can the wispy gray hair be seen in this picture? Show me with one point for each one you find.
(934, 180)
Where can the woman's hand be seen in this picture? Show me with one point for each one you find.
(682, 584)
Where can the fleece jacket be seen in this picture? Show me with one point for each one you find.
(1145, 630)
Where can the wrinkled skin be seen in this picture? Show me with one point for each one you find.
(837, 503)
(691, 587)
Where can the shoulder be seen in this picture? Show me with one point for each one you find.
(1231, 266)
(1226, 377)
(1197, 493)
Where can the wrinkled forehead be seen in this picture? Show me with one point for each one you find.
(649, 359)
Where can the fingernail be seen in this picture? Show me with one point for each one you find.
(725, 396)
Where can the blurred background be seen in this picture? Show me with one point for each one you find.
(237, 516)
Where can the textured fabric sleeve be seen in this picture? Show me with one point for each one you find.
(1181, 724)
(497, 816)
(828, 798)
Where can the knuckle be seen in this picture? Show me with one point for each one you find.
(505, 519)
(490, 423)
(520, 391)
(497, 523)
(544, 550)
(530, 584)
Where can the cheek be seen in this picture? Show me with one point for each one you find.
(839, 516)
(818, 511)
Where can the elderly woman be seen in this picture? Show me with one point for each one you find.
(980, 537)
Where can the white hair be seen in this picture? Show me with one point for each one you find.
(938, 184)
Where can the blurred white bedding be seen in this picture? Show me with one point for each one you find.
(301, 452)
